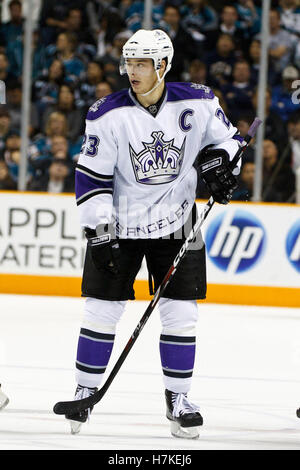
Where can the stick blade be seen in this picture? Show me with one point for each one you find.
(76, 406)
(62, 407)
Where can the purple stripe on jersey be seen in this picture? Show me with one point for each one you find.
(178, 91)
(238, 137)
(116, 100)
(85, 183)
(177, 356)
(94, 353)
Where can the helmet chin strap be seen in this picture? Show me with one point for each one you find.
(159, 80)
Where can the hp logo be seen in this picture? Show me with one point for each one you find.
(292, 245)
(235, 241)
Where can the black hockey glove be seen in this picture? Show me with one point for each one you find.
(105, 250)
(213, 165)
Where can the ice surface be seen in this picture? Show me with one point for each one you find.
(246, 379)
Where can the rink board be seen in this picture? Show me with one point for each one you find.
(253, 250)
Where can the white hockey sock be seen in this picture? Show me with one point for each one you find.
(178, 343)
(96, 340)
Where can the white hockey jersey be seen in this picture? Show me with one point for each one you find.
(136, 170)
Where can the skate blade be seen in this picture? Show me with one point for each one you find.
(4, 403)
(184, 433)
(75, 426)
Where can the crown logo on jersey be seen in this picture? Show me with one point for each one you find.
(159, 162)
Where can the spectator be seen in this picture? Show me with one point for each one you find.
(244, 192)
(15, 52)
(277, 176)
(282, 44)
(134, 14)
(12, 155)
(228, 25)
(74, 24)
(254, 60)
(13, 29)
(282, 101)
(197, 72)
(45, 89)
(103, 89)
(245, 189)
(56, 180)
(86, 89)
(296, 58)
(238, 94)
(275, 127)
(290, 16)
(34, 6)
(198, 18)
(222, 101)
(6, 180)
(249, 17)
(294, 140)
(14, 107)
(111, 23)
(185, 48)
(111, 61)
(220, 61)
(85, 40)
(172, 23)
(105, 20)
(12, 144)
(52, 17)
(229, 17)
(65, 50)
(56, 124)
(5, 126)
(114, 51)
(5, 75)
(58, 147)
(123, 6)
(66, 105)
(40, 148)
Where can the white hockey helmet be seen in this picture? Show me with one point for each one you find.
(145, 44)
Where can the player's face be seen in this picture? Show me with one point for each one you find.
(141, 74)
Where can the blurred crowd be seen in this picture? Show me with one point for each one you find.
(76, 50)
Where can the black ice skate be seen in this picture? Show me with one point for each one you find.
(3, 399)
(76, 420)
(184, 415)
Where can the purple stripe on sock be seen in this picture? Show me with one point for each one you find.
(177, 356)
(94, 353)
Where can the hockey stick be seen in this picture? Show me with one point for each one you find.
(76, 406)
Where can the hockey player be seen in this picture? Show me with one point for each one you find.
(3, 399)
(135, 191)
